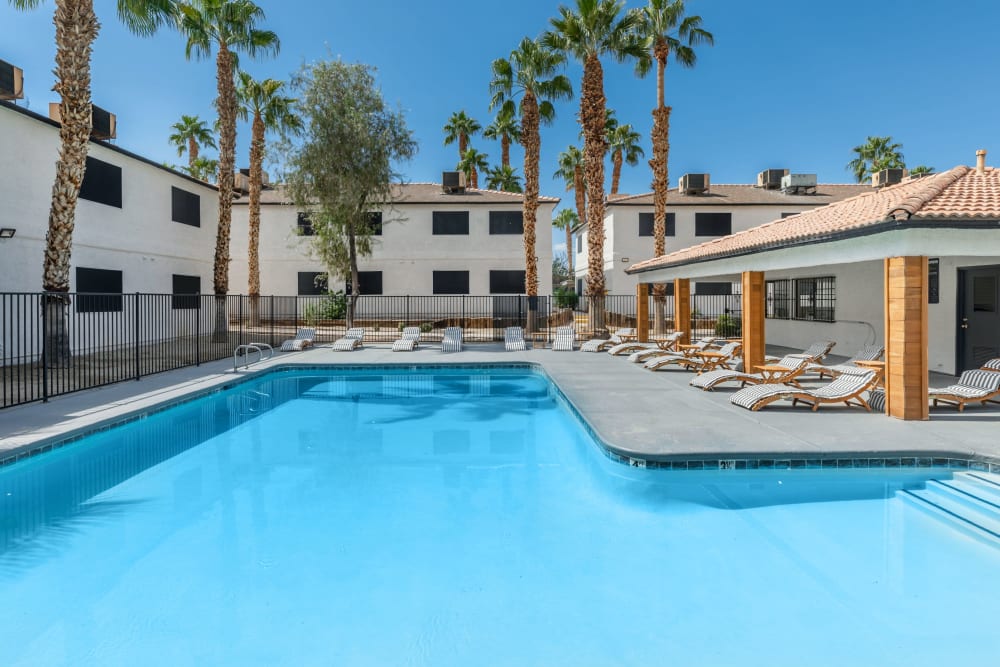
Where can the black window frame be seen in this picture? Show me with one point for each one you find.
(375, 223)
(308, 286)
(184, 292)
(816, 299)
(102, 183)
(185, 207)
(444, 223)
(507, 222)
(304, 225)
(441, 282)
(371, 283)
(501, 281)
(778, 299)
(706, 224)
(99, 290)
(646, 223)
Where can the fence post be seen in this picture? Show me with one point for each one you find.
(45, 350)
(136, 338)
(240, 314)
(197, 333)
(272, 321)
(407, 310)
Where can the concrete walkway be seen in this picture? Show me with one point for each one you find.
(637, 413)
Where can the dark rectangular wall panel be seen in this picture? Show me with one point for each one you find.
(713, 224)
(102, 183)
(185, 207)
(98, 290)
(451, 222)
(451, 282)
(506, 222)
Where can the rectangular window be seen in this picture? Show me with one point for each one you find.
(579, 285)
(450, 223)
(98, 291)
(312, 283)
(506, 222)
(304, 225)
(451, 282)
(815, 299)
(185, 207)
(714, 289)
(778, 299)
(371, 282)
(375, 223)
(506, 282)
(646, 224)
(934, 280)
(713, 224)
(184, 290)
(579, 243)
(102, 183)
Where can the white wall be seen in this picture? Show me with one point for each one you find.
(406, 253)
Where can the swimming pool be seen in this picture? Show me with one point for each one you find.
(464, 517)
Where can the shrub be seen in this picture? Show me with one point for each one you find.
(333, 306)
(727, 325)
(426, 327)
(566, 298)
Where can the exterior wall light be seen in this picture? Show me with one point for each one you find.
(7, 233)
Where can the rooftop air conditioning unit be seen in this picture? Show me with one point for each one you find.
(887, 177)
(241, 181)
(11, 82)
(798, 183)
(770, 179)
(693, 184)
(265, 180)
(453, 182)
(105, 124)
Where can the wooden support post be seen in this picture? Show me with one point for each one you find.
(753, 320)
(682, 308)
(906, 339)
(642, 312)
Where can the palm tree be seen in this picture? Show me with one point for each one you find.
(204, 169)
(472, 163)
(460, 128)
(505, 128)
(876, 154)
(504, 178)
(566, 220)
(596, 28)
(76, 29)
(571, 171)
(624, 144)
(530, 73)
(667, 30)
(921, 170)
(271, 112)
(230, 27)
(190, 134)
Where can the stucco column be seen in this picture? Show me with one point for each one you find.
(682, 308)
(642, 312)
(906, 338)
(753, 319)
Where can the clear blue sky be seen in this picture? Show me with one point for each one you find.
(788, 84)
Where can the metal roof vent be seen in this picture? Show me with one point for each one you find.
(693, 184)
(770, 179)
(453, 182)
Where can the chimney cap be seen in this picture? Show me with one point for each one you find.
(981, 161)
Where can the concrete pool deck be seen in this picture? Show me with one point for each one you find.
(639, 414)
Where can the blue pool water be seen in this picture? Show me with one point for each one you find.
(462, 518)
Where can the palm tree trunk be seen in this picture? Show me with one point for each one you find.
(580, 190)
(505, 150)
(463, 143)
(531, 141)
(76, 29)
(661, 184)
(253, 252)
(226, 106)
(616, 172)
(593, 116)
(473, 177)
(192, 152)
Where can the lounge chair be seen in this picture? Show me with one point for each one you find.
(513, 339)
(772, 374)
(452, 340)
(845, 389)
(352, 340)
(303, 338)
(813, 353)
(666, 345)
(867, 353)
(972, 387)
(992, 365)
(409, 339)
(701, 360)
(564, 339)
(600, 344)
(645, 355)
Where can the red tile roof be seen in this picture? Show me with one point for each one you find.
(957, 194)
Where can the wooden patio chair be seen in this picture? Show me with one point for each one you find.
(352, 340)
(867, 353)
(846, 389)
(972, 387)
(408, 341)
(784, 372)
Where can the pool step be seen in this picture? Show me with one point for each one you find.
(962, 504)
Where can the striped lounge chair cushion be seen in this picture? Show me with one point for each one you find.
(992, 365)
(876, 399)
(748, 397)
(513, 339)
(595, 345)
(295, 344)
(345, 344)
(712, 378)
(623, 348)
(564, 339)
(404, 345)
(971, 385)
(452, 341)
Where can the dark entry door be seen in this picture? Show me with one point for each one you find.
(979, 316)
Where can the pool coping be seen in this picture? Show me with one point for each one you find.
(952, 459)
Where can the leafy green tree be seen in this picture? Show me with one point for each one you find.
(590, 30)
(624, 144)
(190, 134)
(503, 178)
(342, 168)
(471, 164)
(229, 27)
(507, 129)
(876, 154)
(561, 277)
(460, 128)
(204, 169)
(566, 220)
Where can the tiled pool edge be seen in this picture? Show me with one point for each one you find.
(953, 460)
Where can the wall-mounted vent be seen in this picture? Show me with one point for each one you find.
(887, 177)
(453, 182)
(11, 82)
(770, 179)
(798, 184)
(693, 184)
(105, 123)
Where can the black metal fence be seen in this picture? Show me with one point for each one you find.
(100, 339)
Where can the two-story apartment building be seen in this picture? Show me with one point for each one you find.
(693, 217)
(429, 242)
